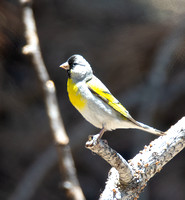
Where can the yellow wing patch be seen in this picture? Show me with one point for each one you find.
(76, 99)
(107, 97)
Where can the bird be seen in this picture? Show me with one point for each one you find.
(94, 100)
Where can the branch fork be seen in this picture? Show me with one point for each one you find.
(128, 179)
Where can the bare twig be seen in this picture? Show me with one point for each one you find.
(66, 163)
(143, 166)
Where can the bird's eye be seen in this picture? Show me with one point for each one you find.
(74, 64)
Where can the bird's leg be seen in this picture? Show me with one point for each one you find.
(96, 138)
(100, 134)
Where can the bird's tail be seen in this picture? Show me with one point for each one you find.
(149, 129)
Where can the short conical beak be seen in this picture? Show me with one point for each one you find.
(65, 66)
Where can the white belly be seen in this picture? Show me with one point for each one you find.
(101, 115)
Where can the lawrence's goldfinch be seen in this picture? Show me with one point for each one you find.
(95, 102)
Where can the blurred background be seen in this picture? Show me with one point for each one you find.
(135, 47)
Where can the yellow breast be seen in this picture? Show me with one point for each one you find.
(74, 95)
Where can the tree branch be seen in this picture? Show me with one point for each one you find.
(66, 162)
(35, 174)
(142, 167)
(112, 157)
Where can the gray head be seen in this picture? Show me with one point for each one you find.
(78, 68)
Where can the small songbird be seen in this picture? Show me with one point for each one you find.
(95, 102)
